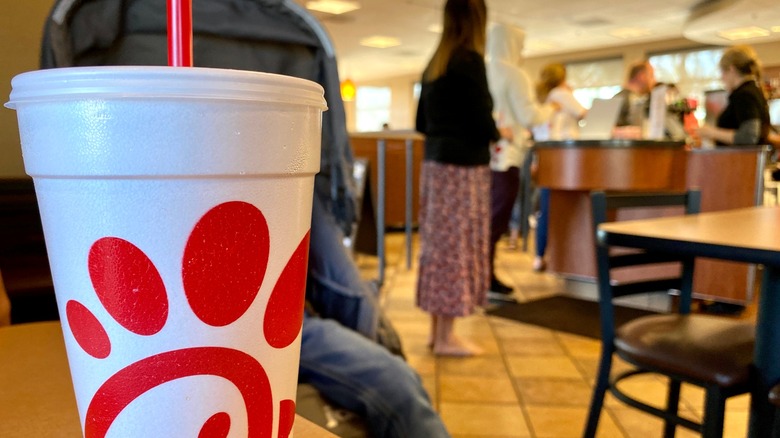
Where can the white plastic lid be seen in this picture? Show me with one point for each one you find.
(162, 82)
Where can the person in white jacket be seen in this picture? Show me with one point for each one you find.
(515, 107)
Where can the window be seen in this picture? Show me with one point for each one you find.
(595, 79)
(372, 106)
(693, 71)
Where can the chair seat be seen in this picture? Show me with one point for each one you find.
(774, 396)
(704, 348)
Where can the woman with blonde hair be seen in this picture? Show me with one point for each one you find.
(564, 125)
(552, 88)
(455, 114)
(745, 119)
(552, 75)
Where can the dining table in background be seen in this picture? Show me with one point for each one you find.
(748, 235)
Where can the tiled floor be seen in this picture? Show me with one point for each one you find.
(531, 381)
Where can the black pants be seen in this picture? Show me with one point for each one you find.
(503, 192)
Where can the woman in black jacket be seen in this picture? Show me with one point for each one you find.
(455, 114)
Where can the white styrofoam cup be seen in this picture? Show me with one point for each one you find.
(176, 205)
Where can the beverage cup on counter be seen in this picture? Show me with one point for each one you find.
(627, 132)
(707, 143)
(176, 206)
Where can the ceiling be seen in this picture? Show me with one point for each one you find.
(552, 27)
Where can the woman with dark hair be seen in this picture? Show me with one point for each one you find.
(455, 114)
(745, 120)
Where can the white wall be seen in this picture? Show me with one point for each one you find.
(21, 27)
(404, 107)
(768, 53)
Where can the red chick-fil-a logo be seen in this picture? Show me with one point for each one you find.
(223, 266)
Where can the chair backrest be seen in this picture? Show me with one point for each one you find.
(608, 260)
(5, 305)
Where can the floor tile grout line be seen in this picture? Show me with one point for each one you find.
(399, 287)
(518, 393)
(399, 264)
(586, 378)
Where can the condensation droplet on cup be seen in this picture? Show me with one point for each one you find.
(299, 162)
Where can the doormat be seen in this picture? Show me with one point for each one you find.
(566, 314)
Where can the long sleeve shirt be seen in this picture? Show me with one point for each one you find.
(455, 113)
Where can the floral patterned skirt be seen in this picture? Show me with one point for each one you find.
(454, 272)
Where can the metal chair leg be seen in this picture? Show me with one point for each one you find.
(714, 413)
(672, 406)
(599, 390)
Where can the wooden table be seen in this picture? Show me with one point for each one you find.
(36, 396)
(748, 235)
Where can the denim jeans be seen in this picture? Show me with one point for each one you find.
(342, 359)
(504, 188)
(334, 286)
(542, 221)
(363, 377)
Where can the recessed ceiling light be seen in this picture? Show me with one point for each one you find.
(592, 22)
(435, 28)
(743, 33)
(380, 42)
(534, 45)
(335, 7)
(630, 32)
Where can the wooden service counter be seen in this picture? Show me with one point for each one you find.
(728, 178)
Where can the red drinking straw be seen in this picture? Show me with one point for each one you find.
(180, 33)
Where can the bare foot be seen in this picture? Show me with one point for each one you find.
(432, 335)
(514, 235)
(456, 348)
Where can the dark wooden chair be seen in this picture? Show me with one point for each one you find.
(23, 259)
(774, 396)
(774, 399)
(714, 353)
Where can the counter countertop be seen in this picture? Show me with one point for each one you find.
(614, 143)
